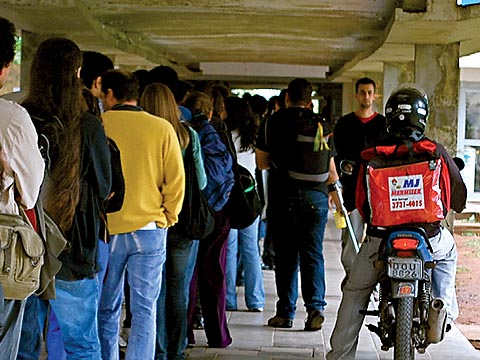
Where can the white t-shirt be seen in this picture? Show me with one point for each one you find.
(18, 142)
(245, 158)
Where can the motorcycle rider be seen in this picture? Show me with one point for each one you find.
(406, 112)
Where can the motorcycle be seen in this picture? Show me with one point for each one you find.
(408, 318)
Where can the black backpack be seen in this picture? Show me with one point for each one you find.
(309, 156)
(195, 220)
(115, 202)
(243, 205)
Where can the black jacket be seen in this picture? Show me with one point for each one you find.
(80, 259)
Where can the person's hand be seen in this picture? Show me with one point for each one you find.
(331, 202)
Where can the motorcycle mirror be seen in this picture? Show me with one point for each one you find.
(459, 162)
(346, 166)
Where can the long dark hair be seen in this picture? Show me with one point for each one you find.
(8, 40)
(55, 96)
(240, 117)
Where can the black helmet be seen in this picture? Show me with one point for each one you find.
(407, 112)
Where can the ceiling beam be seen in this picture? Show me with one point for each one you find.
(240, 69)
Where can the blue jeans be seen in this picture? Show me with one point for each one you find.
(54, 341)
(143, 252)
(298, 226)
(244, 244)
(72, 322)
(172, 304)
(192, 260)
(55, 346)
(31, 332)
(11, 317)
(102, 259)
(75, 308)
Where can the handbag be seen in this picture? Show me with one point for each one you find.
(195, 220)
(21, 256)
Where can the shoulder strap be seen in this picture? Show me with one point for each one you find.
(188, 159)
(227, 140)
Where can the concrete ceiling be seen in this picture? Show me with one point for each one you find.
(254, 42)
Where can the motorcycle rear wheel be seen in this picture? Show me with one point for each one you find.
(403, 349)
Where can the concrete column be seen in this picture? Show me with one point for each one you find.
(348, 97)
(394, 74)
(438, 73)
(30, 43)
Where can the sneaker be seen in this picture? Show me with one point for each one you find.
(314, 321)
(198, 323)
(121, 342)
(268, 266)
(280, 322)
(258, 309)
(123, 337)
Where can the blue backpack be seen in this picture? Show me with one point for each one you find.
(217, 161)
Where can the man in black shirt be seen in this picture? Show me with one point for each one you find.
(297, 147)
(353, 133)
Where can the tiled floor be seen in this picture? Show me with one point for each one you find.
(253, 339)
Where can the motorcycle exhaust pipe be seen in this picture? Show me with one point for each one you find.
(437, 321)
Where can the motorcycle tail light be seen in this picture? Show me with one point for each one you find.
(405, 253)
(405, 244)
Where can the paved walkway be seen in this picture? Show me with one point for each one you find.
(253, 339)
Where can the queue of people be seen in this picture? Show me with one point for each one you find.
(114, 137)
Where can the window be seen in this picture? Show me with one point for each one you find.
(469, 136)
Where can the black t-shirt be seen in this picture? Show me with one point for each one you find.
(352, 135)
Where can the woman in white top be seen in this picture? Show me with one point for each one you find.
(243, 243)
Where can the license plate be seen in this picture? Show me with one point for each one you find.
(405, 268)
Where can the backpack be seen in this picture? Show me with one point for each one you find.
(115, 202)
(299, 143)
(217, 161)
(195, 220)
(403, 185)
(309, 156)
(243, 205)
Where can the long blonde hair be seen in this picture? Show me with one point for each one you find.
(158, 100)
